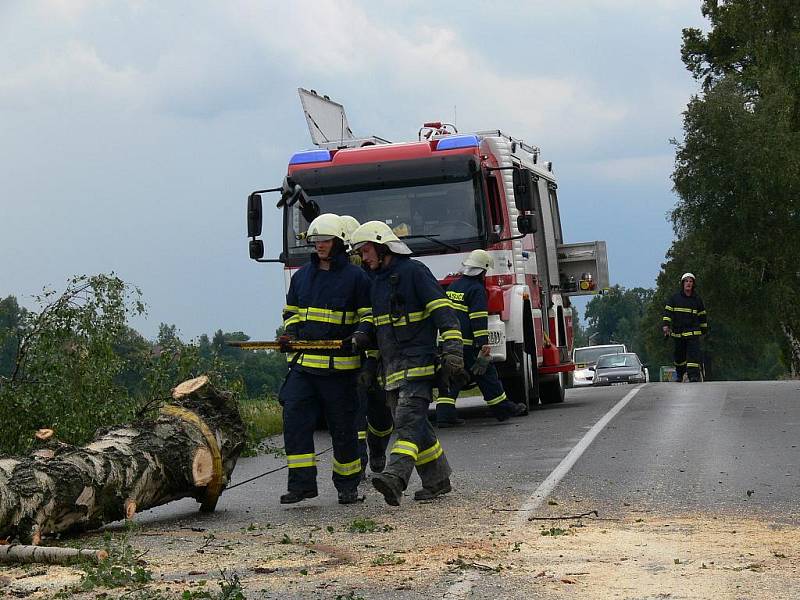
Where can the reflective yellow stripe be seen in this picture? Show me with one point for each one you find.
(323, 361)
(410, 373)
(407, 448)
(497, 400)
(480, 332)
(373, 353)
(291, 308)
(467, 342)
(298, 461)
(436, 304)
(668, 307)
(362, 435)
(478, 314)
(702, 312)
(380, 433)
(292, 320)
(462, 307)
(445, 400)
(429, 454)
(365, 315)
(666, 318)
(347, 469)
(703, 324)
(690, 365)
(363, 311)
(326, 315)
(451, 334)
(680, 364)
(683, 310)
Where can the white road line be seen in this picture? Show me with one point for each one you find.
(463, 587)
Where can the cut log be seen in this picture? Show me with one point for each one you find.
(190, 450)
(17, 553)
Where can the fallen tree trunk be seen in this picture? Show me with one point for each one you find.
(16, 553)
(190, 450)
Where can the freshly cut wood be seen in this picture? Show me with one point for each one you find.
(17, 553)
(190, 450)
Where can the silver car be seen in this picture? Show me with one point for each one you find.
(613, 369)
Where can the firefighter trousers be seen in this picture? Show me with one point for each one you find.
(490, 386)
(374, 426)
(687, 357)
(305, 398)
(415, 444)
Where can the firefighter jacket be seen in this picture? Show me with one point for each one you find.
(468, 296)
(327, 305)
(409, 306)
(685, 315)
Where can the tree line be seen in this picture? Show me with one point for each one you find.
(74, 364)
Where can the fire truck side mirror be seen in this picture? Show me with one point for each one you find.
(524, 190)
(256, 249)
(254, 217)
(526, 224)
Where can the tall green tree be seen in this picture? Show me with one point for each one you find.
(737, 171)
(616, 317)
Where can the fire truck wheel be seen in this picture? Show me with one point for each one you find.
(551, 390)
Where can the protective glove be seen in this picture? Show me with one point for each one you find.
(358, 342)
(366, 378)
(481, 364)
(284, 342)
(452, 371)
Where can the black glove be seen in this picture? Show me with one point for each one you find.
(366, 378)
(357, 342)
(451, 371)
(284, 342)
(482, 363)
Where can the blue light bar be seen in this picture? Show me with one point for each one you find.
(310, 156)
(453, 142)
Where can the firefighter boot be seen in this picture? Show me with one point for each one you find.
(377, 462)
(432, 492)
(390, 486)
(349, 496)
(292, 497)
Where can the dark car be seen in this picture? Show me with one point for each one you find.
(619, 368)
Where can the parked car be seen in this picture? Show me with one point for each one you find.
(586, 357)
(614, 369)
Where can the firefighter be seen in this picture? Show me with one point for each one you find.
(409, 307)
(328, 299)
(468, 295)
(373, 418)
(685, 321)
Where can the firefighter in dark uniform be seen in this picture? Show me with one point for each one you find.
(468, 295)
(409, 307)
(685, 321)
(373, 419)
(328, 299)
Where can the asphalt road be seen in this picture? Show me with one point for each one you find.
(670, 449)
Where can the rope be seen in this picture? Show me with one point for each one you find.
(230, 487)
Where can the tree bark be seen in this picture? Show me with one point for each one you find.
(190, 450)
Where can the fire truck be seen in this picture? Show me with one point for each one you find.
(445, 194)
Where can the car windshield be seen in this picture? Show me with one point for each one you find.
(440, 217)
(610, 361)
(590, 355)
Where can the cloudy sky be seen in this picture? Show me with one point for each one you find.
(132, 132)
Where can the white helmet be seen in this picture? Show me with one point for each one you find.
(326, 227)
(477, 262)
(378, 232)
(350, 224)
(686, 276)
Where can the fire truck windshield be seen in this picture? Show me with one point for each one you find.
(436, 218)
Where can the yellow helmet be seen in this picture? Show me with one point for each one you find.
(378, 232)
(326, 227)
